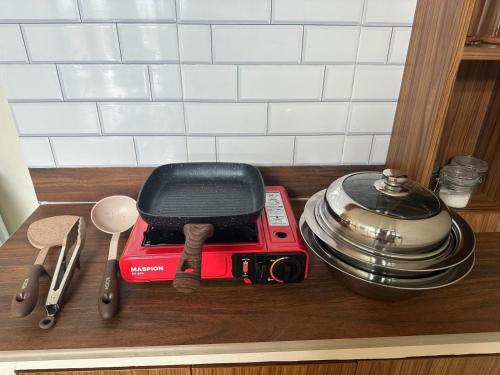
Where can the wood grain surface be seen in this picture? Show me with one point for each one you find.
(488, 147)
(226, 311)
(435, 52)
(152, 371)
(339, 368)
(482, 52)
(92, 184)
(468, 109)
(477, 365)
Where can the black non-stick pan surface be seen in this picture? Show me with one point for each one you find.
(221, 194)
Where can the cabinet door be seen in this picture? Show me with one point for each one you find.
(340, 368)
(156, 371)
(475, 365)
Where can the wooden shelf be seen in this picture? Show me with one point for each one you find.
(481, 52)
(481, 202)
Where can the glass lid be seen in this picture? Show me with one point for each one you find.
(391, 193)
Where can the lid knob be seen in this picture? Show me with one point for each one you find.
(394, 179)
(392, 183)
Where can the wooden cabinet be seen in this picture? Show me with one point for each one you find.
(449, 103)
(487, 365)
(340, 368)
(466, 365)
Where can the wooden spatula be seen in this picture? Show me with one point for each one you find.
(43, 234)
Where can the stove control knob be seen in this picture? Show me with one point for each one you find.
(285, 270)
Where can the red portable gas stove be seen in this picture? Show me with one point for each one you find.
(269, 251)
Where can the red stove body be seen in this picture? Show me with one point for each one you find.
(270, 251)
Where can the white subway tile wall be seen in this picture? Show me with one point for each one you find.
(56, 118)
(12, 45)
(201, 149)
(318, 150)
(72, 43)
(142, 118)
(226, 118)
(160, 150)
(330, 44)
(148, 43)
(165, 82)
(195, 44)
(37, 152)
(256, 44)
(147, 82)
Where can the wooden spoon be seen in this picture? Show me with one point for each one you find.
(113, 215)
(43, 234)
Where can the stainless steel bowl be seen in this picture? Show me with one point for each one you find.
(456, 250)
(328, 225)
(378, 286)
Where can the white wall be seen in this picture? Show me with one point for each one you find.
(17, 196)
(144, 82)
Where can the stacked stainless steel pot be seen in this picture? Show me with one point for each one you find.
(386, 236)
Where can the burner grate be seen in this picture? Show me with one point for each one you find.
(161, 237)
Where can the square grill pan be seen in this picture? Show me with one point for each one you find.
(222, 194)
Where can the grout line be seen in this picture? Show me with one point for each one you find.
(216, 148)
(79, 10)
(26, 50)
(205, 135)
(360, 32)
(187, 148)
(177, 11)
(99, 118)
(206, 23)
(52, 151)
(237, 83)
(390, 46)
(60, 83)
(348, 121)
(342, 150)
(294, 148)
(302, 51)
(371, 150)
(321, 99)
(271, 15)
(268, 109)
(180, 67)
(119, 44)
(159, 62)
(147, 100)
(136, 153)
(148, 68)
(212, 31)
(186, 127)
(363, 12)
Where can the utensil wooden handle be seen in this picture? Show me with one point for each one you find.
(26, 297)
(188, 274)
(109, 293)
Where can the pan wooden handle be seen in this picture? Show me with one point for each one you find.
(188, 274)
(26, 297)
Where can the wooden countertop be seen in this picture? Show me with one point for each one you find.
(232, 312)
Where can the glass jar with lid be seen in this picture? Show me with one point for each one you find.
(456, 184)
(471, 162)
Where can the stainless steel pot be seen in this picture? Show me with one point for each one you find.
(387, 211)
(458, 247)
(386, 236)
(382, 287)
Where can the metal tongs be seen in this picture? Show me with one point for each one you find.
(69, 259)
